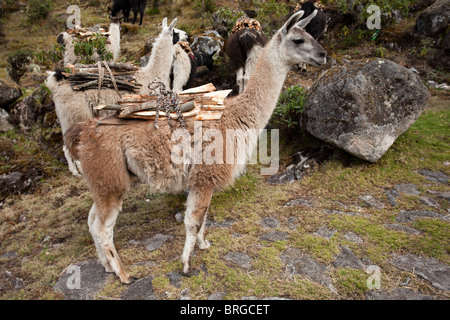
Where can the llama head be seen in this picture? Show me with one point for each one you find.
(117, 17)
(179, 36)
(297, 45)
(168, 30)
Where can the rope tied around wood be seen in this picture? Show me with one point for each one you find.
(165, 99)
(101, 75)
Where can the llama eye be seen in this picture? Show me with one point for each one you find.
(298, 41)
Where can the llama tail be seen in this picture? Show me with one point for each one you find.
(72, 140)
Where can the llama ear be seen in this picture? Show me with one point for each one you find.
(292, 21)
(303, 23)
(164, 23)
(172, 25)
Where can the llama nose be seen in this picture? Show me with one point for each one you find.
(323, 54)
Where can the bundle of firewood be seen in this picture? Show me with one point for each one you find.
(86, 76)
(203, 103)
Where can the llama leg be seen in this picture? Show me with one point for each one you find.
(104, 231)
(194, 218)
(93, 224)
(202, 243)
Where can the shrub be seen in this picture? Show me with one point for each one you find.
(271, 14)
(289, 108)
(229, 16)
(18, 63)
(85, 48)
(39, 9)
(205, 5)
(51, 56)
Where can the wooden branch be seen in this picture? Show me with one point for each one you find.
(113, 65)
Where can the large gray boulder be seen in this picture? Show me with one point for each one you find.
(435, 19)
(363, 107)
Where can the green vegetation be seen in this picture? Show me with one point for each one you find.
(39, 9)
(85, 48)
(289, 109)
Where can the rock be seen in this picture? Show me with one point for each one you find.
(9, 180)
(274, 236)
(32, 109)
(364, 107)
(175, 278)
(5, 121)
(298, 263)
(435, 19)
(433, 84)
(217, 296)
(179, 217)
(408, 189)
(209, 44)
(430, 269)
(350, 236)
(17, 283)
(325, 232)
(430, 202)
(398, 294)
(328, 211)
(304, 162)
(8, 255)
(153, 243)
(292, 222)
(444, 195)
(142, 289)
(9, 93)
(240, 259)
(392, 195)
(184, 294)
(372, 202)
(399, 227)
(270, 223)
(82, 281)
(299, 202)
(434, 176)
(222, 224)
(347, 259)
(410, 216)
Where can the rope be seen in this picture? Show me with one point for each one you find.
(166, 98)
(113, 80)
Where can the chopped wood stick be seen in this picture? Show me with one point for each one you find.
(150, 115)
(112, 65)
(202, 89)
(109, 107)
(208, 115)
(213, 107)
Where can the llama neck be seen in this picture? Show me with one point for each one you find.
(114, 38)
(266, 83)
(114, 32)
(160, 62)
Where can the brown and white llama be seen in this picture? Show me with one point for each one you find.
(74, 106)
(112, 157)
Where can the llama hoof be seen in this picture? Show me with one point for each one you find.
(204, 245)
(190, 273)
(128, 279)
